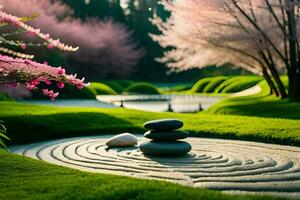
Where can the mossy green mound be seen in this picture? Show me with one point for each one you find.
(200, 85)
(141, 88)
(4, 97)
(115, 86)
(71, 92)
(101, 89)
(224, 84)
(240, 84)
(215, 82)
(262, 105)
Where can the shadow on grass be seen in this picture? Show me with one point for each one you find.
(33, 128)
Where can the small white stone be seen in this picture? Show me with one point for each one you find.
(122, 140)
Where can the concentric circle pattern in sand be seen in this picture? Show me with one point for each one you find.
(227, 165)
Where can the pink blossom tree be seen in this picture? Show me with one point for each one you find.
(105, 47)
(23, 70)
(253, 34)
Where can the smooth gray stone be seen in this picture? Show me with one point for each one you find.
(165, 148)
(163, 124)
(122, 140)
(165, 135)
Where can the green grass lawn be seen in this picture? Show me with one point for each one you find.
(24, 178)
(30, 123)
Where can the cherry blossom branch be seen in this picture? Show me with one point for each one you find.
(16, 21)
(31, 74)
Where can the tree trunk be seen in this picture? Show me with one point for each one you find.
(274, 73)
(278, 82)
(294, 71)
(270, 82)
(294, 85)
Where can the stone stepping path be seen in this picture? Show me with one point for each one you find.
(227, 165)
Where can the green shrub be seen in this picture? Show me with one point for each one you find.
(123, 83)
(71, 92)
(4, 97)
(200, 85)
(142, 88)
(229, 81)
(180, 88)
(115, 86)
(214, 83)
(2, 134)
(241, 84)
(101, 88)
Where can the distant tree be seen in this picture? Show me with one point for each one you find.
(135, 14)
(140, 12)
(106, 47)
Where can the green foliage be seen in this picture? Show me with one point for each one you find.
(25, 178)
(2, 134)
(4, 97)
(200, 85)
(115, 86)
(71, 92)
(180, 88)
(101, 89)
(226, 83)
(240, 84)
(215, 82)
(142, 88)
(124, 83)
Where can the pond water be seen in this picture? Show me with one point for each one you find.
(155, 103)
(162, 103)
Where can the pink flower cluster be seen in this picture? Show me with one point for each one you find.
(50, 94)
(16, 21)
(31, 74)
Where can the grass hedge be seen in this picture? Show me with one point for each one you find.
(101, 89)
(200, 85)
(71, 92)
(225, 84)
(262, 105)
(115, 86)
(241, 84)
(123, 83)
(142, 88)
(214, 82)
(4, 97)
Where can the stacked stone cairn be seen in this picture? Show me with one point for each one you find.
(164, 136)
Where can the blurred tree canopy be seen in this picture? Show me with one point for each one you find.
(135, 15)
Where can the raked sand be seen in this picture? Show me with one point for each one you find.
(227, 165)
